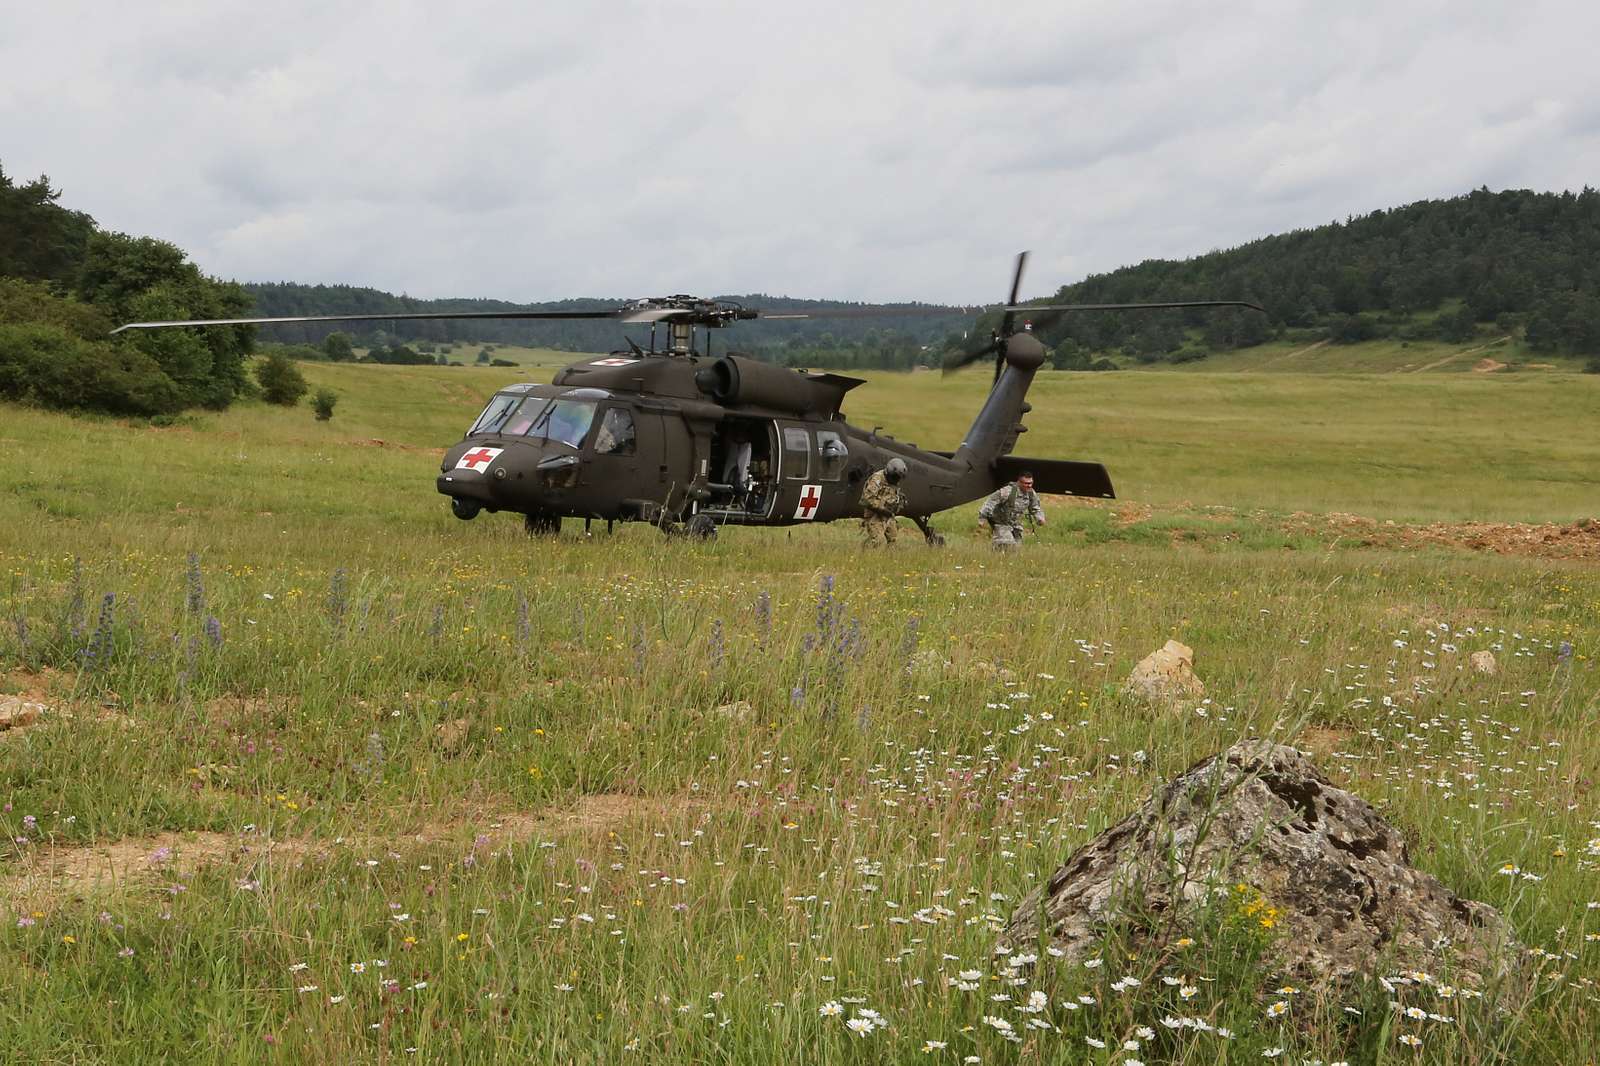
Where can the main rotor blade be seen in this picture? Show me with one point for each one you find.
(1134, 307)
(956, 362)
(369, 318)
(1016, 278)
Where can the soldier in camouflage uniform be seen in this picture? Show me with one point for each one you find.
(1005, 509)
(881, 500)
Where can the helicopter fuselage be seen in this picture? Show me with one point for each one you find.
(664, 438)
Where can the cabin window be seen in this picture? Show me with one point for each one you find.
(831, 455)
(796, 453)
(494, 415)
(616, 436)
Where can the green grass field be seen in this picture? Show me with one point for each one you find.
(327, 775)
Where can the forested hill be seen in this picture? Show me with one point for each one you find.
(1438, 269)
(1521, 263)
(895, 334)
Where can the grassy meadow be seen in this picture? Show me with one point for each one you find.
(327, 775)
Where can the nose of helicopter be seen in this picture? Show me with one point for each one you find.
(498, 473)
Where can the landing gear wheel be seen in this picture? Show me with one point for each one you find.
(540, 524)
(466, 510)
(702, 527)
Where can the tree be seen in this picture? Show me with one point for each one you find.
(39, 239)
(143, 279)
(322, 402)
(337, 347)
(281, 381)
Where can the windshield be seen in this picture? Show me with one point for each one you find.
(564, 420)
(494, 415)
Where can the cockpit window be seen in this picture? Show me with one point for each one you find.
(526, 415)
(494, 415)
(564, 420)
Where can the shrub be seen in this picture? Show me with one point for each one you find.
(322, 402)
(281, 381)
(46, 364)
(1592, 366)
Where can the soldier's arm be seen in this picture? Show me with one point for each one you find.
(1036, 507)
(986, 512)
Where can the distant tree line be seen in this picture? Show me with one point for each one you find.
(1513, 261)
(65, 283)
(844, 334)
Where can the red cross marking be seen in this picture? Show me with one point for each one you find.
(472, 459)
(809, 499)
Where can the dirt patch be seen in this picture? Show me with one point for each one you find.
(1548, 540)
(47, 872)
(1322, 740)
(1131, 513)
(1487, 366)
(1453, 356)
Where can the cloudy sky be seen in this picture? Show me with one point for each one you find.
(876, 151)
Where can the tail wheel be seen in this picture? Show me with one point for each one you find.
(540, 524)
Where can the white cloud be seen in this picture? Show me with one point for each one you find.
(897, 152)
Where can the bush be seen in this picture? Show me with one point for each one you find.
(1592, 366)
(47, 365)
(281, 381)
(322, 402)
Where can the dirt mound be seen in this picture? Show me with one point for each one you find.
(1550, 540)
(1487, 366)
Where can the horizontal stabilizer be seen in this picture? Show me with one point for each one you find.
(1057, 477)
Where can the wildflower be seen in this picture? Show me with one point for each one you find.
(1409, 1040)
(1095, 1043)
(930, 1046)
(335, 999)
(1188, 992)
(358, 967)
(860, 1026)
(125, 953)
(1278, 1009)
(1271, 1052)
(830, 1009)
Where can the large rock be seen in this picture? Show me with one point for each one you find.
(1166, 675)
(16, 712)
(1259, 831)
(1483, 663)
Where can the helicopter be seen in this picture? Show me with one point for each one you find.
(690, 443)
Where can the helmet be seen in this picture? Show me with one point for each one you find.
(895, 471)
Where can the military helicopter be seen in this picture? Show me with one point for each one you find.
(691, 443)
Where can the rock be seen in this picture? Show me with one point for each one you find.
(1483, 663)
(738, 710)
(16, 712)
(1329, 878)
(1166, 675)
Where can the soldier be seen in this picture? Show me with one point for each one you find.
(1005, 508)
(881, 500)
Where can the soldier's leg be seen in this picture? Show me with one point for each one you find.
(891, 526)
(872, 531)
(1003, 540)
(934, 540)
